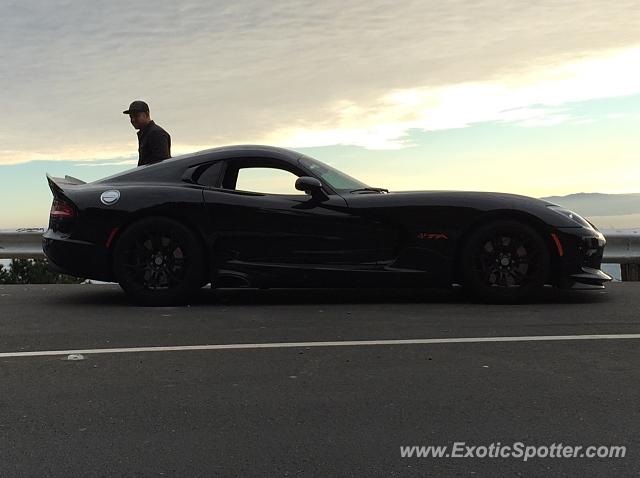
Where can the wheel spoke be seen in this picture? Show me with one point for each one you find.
(505, 260)
(155, 259)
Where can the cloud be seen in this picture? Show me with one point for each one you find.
(295, 72)
(532, 99)
(109, 163)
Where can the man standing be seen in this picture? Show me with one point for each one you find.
(154, 143)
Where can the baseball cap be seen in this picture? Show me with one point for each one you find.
(137, 107)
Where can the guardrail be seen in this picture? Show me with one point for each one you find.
(23, 243)
(623, 247)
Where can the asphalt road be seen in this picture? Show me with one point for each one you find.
(324, 411)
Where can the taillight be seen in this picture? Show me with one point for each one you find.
(62, 210)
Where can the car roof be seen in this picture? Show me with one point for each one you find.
(243, 150)
(172, 168)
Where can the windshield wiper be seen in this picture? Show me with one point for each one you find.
(368, 189)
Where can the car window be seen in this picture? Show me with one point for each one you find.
(267, 180)
(337, 180)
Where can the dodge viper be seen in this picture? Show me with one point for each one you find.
(260, 216)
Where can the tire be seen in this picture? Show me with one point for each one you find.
(158, 261)
(505, 261)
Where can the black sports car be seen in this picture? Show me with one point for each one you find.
(259, 216)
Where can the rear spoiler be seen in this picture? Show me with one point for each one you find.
(57, 184)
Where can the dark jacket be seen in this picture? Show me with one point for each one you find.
(154, 144)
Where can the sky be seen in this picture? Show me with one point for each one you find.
(538, 98)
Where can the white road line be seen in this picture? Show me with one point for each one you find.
(342, 343)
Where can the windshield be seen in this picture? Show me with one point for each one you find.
(337, 180)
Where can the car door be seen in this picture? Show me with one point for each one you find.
(261, 220)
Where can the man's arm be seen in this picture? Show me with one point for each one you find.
(159, 146)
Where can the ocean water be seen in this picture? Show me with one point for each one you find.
(613, 270)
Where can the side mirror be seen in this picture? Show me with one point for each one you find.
(309, 185)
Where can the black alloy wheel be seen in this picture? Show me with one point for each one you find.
(505, 261)
(158, 261)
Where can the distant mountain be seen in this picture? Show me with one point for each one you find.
(599, 204)
(604, 210)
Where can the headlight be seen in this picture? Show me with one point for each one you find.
(581, 221)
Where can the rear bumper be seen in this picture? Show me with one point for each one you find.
(76, 258)
(582, 258)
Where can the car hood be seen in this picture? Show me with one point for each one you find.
(452, 198)
(480, 201)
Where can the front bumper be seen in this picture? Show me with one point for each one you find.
(582, 257)
(76, 258)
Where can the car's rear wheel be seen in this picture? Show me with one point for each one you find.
(158, 261)
(505, 261)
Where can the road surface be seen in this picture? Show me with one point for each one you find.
(345, 379)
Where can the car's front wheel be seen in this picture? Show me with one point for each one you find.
(158, 261)
(505, 261)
